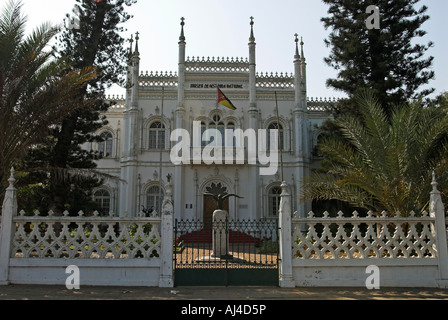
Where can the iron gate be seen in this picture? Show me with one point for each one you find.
(227, 253)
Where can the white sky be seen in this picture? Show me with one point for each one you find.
(221, 29)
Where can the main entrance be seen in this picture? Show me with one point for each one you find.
(209, 208)
(250, 259)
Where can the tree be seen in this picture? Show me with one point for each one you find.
(383, 165)
(386, 60)
(36, 91)
(94, 41)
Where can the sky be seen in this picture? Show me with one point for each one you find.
(221, 29)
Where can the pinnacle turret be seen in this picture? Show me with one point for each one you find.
(182, 34)
(252, 37)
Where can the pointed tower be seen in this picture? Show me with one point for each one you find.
(252, 70)
(254, 175)
(181, 71)
(128, 188)
(301, 124)
(179, 123)
(303, 75)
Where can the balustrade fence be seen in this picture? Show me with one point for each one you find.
(409, 250)
(38, 248)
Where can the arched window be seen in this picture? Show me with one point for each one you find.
(156, 136)
(154, 197)
(219, 124)
(279, 127)
(274, 201)
(102, 200)
(106, 144)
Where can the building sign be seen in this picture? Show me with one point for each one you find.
(214, 86)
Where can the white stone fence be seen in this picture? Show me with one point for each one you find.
(110, 250)
(408, 250)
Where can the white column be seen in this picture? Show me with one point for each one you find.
(167, 225)
(300, 127)
(9, 210)
(437, 211)
(286, 275)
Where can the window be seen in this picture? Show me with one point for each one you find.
(279, 127)
(102, 200)
(220, 126)
(105, 146)
(153, 198)
(157, 136)
(274, 201)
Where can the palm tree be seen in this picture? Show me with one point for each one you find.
(380, 162)
(36, 91)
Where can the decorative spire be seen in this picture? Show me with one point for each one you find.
(182, 35)
(297, 45)
(131, 41)
(252, 37)
(301, 50)
(137, 37)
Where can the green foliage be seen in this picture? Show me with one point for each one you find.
(69, 169)
(380, 163)
(36, 90)
(388, 61)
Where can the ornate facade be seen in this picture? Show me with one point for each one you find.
(137, 144)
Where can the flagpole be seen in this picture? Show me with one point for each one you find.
(161, 155)
(278, 137)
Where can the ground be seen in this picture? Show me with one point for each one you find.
(27, 292)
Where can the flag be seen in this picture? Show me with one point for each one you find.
(222, 99)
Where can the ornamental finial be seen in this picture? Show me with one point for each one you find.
(252, 37)
(434, 182)
(297, 44)
(131, 41)
(11, 179)
(301, 46)
(182, 23)
(137, 37)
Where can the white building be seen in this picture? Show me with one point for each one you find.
(138, 147)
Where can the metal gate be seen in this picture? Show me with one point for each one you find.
(227, 253)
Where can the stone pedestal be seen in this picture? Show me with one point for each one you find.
(220, 239)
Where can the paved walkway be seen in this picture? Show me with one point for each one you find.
(27, 292)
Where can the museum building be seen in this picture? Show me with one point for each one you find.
(138, 142)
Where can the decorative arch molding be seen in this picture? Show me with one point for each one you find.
(225, 182)
(157, 118)
(216, 179)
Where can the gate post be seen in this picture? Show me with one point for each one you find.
(286, 276)
(9, 210)
(437, 211)
(167, 223)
